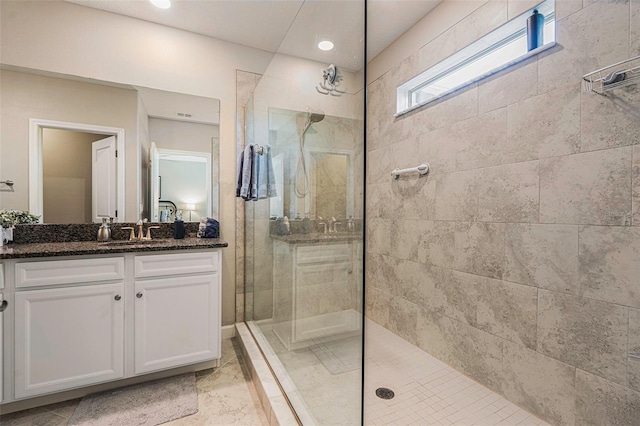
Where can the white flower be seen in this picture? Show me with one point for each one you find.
(10, 218)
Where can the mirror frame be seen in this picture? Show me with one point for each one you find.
(35, 160)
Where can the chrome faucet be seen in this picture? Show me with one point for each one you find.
(324, 224)
(333, 227)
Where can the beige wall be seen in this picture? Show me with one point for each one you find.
(66, 38)
(515, 260)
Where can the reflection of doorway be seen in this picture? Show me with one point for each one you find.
(114, 196)
(76, 168)
(181, 179)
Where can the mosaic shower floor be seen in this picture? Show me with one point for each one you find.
(427, 391)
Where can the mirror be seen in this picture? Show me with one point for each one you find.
(313, 155)
(89, 147)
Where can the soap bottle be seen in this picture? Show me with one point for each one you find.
(350, 225)
(286, 226)
(306, 224)
(103, 231)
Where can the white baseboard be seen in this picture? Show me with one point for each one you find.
(228, 331)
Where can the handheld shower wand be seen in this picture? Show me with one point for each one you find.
(302, 164)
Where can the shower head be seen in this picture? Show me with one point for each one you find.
(315, 117)
(311, 117)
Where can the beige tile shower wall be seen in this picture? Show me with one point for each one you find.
(517, 260)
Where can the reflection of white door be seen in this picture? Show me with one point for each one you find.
(103, 186)
(154, 157)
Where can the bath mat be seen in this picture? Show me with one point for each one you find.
(339, 356)
(147, 404)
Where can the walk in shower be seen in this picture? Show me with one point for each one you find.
(501, 287)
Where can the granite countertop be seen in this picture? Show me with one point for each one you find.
(318, 237)
(26, 250)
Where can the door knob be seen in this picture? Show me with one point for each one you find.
(118, 297)
(138, 295)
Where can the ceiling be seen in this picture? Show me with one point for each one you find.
(292, 27)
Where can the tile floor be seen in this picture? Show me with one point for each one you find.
(226, 396)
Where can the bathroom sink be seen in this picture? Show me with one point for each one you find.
(129, 242)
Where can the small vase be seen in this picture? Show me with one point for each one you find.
(7, 234)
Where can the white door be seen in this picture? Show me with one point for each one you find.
(154, 158)
(104, 178)
(70, 337)
(177, 322)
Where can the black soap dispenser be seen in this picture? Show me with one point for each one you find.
(178, 226)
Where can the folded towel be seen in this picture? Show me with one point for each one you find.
(266, 183)
(208, 228)
(245, 173)
(256, 179)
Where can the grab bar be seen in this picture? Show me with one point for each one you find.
(423, 169)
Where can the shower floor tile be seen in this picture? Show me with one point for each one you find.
(427, 391)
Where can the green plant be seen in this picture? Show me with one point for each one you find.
(9, 218)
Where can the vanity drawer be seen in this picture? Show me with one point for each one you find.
(55, 272)
(323, 253)
(176, 264)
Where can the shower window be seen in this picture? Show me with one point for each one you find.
(496, 51)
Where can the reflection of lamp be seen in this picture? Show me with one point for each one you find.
(191, 208)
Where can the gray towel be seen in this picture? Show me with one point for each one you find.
(256, 179)
(266, 176)
(244, 173)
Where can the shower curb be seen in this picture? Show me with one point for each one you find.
(273, 401)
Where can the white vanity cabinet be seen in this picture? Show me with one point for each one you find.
(86, 320)
(316, 289)
(68, 336)
(177, 312)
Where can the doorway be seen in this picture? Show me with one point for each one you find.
(110, 201)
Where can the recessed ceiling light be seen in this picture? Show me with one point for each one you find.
(162, 4)
(325, 45)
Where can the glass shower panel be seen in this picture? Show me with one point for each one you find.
(304, 254)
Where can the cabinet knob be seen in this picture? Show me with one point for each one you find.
(138, 295)
(118, 297)
(3, 305)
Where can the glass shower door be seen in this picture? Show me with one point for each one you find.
(304, 254)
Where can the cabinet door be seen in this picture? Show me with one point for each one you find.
(68, 338)
(323, 301)
(177, 321)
